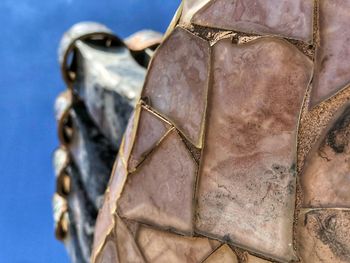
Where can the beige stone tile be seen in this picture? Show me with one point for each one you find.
(291, 19)
(104, 226)
(223, 255)
(161, 190)
(127, 248)
(177, 82)
(325, 180)
(164, 247)
(150, 130)
(247, 178)
(108, 253)
(332, 67)
(324, 235)
(190, 7)
(129, 135)
(253, 259)
(117, 182)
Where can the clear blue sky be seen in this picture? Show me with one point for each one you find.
(29, 81)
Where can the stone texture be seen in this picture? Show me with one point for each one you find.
(104, 225)
(177, 82)
(109, 80)
(247, 181)
(326, 177)
(324, 235)
(81, 212)
(151, 128)
(129, 135)
(164, 247)
(117, 182)
(291, 19)
(108, 253)
(222, 255)
(253, 259)
(127, 248)
(161, 190)
(92, 154)
(190, 7)
(332, 67)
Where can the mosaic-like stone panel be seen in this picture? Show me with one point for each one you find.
(158, 247)
(332, 67)
(160, 192)
(108, 254)
(253, 259)
(326, 177)
(104, 225)
(190, 7)
(223, 255)
(290, 19)
(324, 235)
(177, 82)
(247, 180)
(151, 128)
(116, 185)
(127, 248)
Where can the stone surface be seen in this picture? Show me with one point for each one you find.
(109, 80)
(104, 225)
(177, 82)
(160, 247)
(127, 248)
(253, 259)
(190, 7)
(324, 235)
(222, 255)
(160, 192)
(108, 253)
(325, 180)
(332, 67)
(247, 181)
(92, 154)
(129, 135)
(81, 213)
(291, 19)
(62, 104)
(150, 130)
(117, 182)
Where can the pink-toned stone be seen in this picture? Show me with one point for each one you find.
(160, 192)
(158, 247)
(117, 182)
(247, 181)
(325, 180)
(108, 253)
(129, 135)
(332, 67)
(253, 259)
(127, 248)
(323, 235)
(291, 19)
(190, 7)
(151, 128)
(177, 82)
(224, 254)
(104, 225)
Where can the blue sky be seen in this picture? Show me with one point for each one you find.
(29, 81)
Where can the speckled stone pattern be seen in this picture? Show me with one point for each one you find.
(238, 149)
